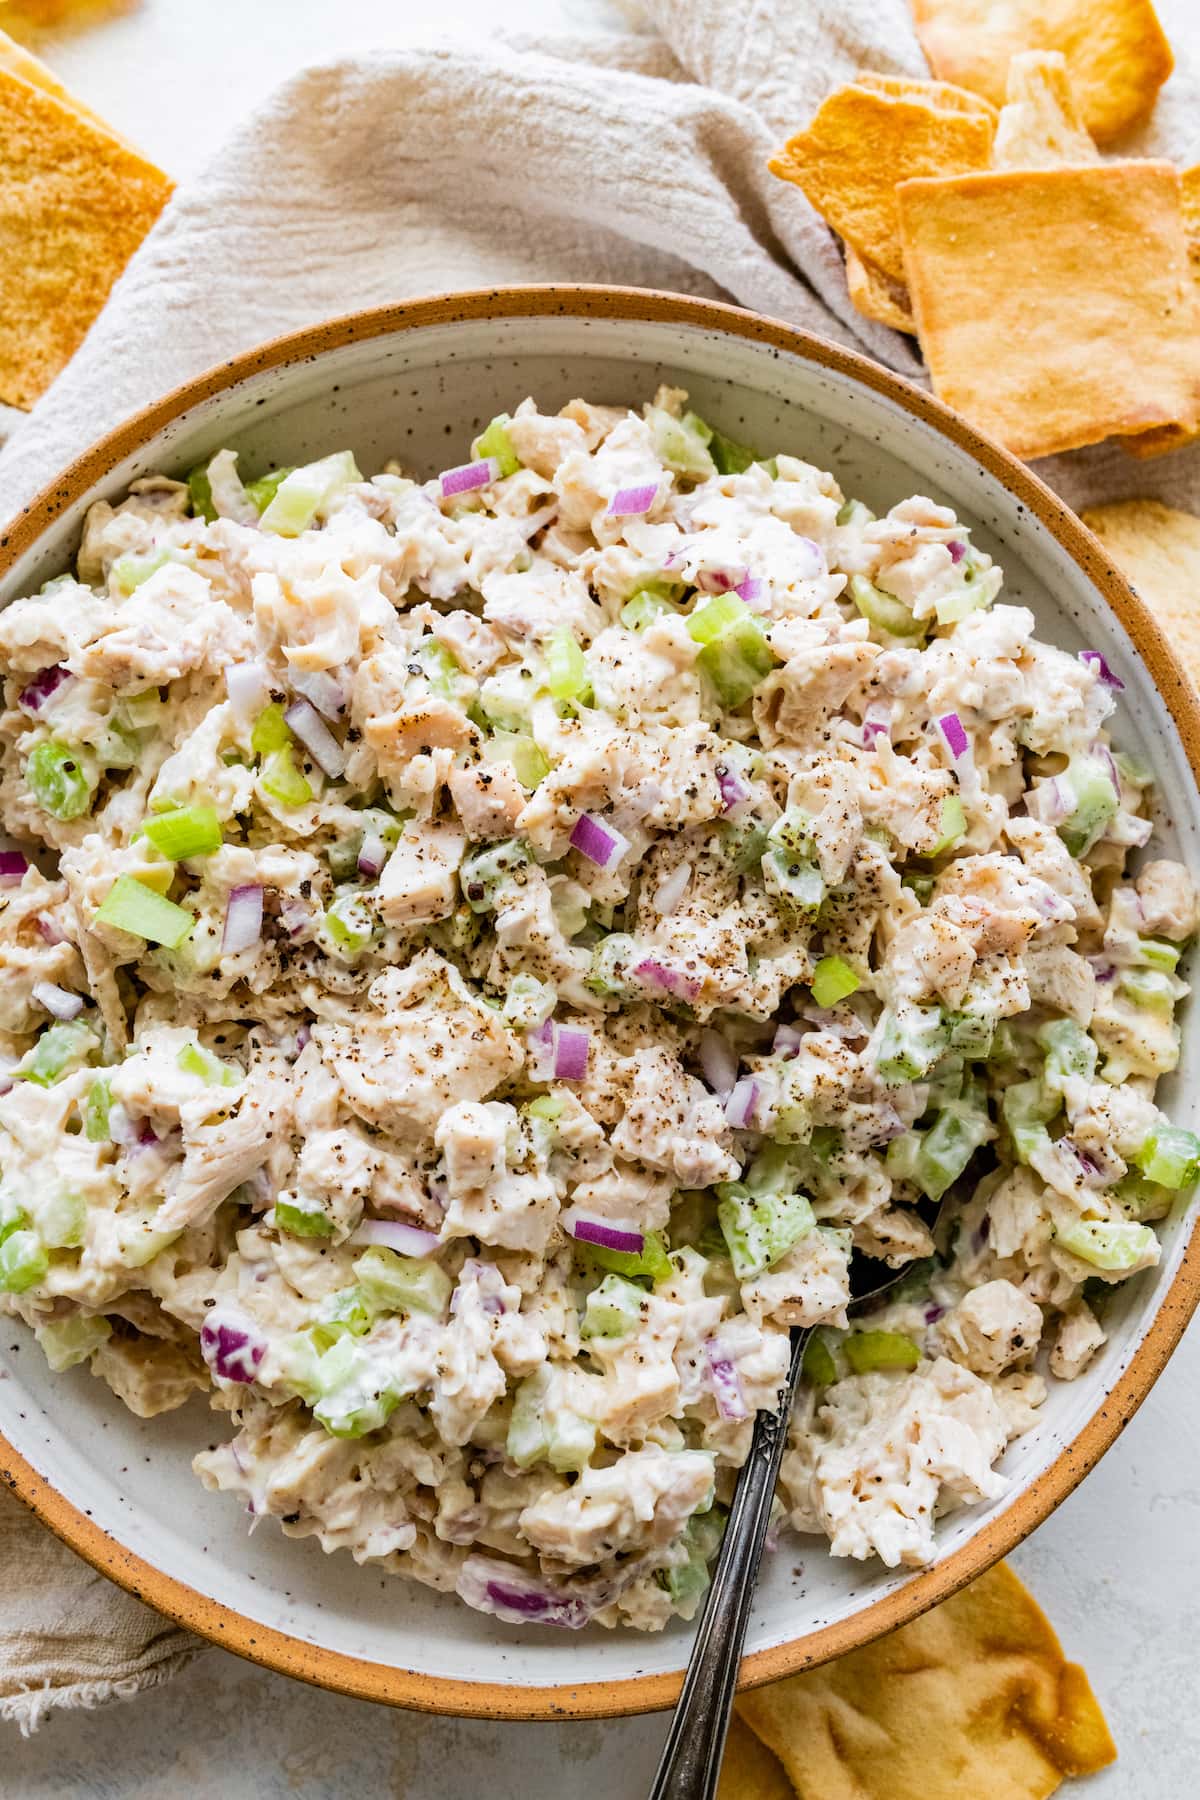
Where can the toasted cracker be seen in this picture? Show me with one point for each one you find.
(859, 144)
(973, 1699)
(75, 203)
(1056, 306)
(1040, 126)
(1116, 53)
(1189, 193)
(876, 295)
(16, 60)
(1158, 549)
(941, 94)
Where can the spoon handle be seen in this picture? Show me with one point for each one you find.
(691, 1759)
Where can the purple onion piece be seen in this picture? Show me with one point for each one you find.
(725, 1381)
(243, 919)
(590, 1230)
(12, 867)
(394, 1234)
(467, 477)
(601, 843)
(34, 696)
(628, 502)
(1095, 660)
(232, 1346)
(957, 550)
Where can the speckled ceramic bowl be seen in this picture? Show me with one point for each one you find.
(418, 381)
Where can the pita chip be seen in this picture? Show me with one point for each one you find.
(1116, 53)
(1189, 184)
(1040, 126)
(1084, 269)
(75, 203)
(974, 1699)
(1157, 548)
(876, 295)
(859, 143)
(941, 94)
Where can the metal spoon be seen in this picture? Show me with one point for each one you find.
(691, 1758)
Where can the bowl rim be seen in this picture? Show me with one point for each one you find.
(359, 1677)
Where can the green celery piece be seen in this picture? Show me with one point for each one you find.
(826, 1143)
(715, 616)
(833, 980)
(185, 831)
(350, 922)
(23, 1262)
(759, 1229)
(613, 958)
(58, 780)
(909, 1047)
(870, 1350)
(883, 610)
(200, 493)
(1070, 1054)
(1028, 1107)
(1143, 1200)
(687, 1583)
(193, 1059)
(484, 871)
(342, 1408)
(1096, 803)
(62, 1221)
(302, 1221)
(72, 1340)
(566, 668)
(350, 1310)
(443, 671)
(953, 826)
(730, 457)
(613, 1309)
(679, 444)
(1151, 989)
(921, 885)
(819, 1368)
(973, 1030)
(284, 780)
(271, 731)
(1158, 953)
(854, 512)
(495, 442)
(96, 1127)
(60, 1050)
(260, 493)
(948, 1146)
(1112, 1247)
(396, 1283)
(129, 571)
(651, 1260)
(307, 491)
(642, 608)
(137, 1240)
(737, 662)
(133, 907)
(519, 749)
(540, 1432)
(1170, 1156)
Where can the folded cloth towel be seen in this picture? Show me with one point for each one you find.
(638, 160)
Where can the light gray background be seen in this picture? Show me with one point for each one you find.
(1116, 1568)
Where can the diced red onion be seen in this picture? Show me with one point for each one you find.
(933, 1312)
(303, 1038)
(247, 686)
(243, 919)
(601, 843)
(319, 686)
(468, 476)
(719, 1061)
(672, 888)
(627, 502)
(788, 1041)
(294, 916)
(877, 723)
(1103, 970)
(12, 867)
(721, 581)
(488, 1283)
(308, 725)
(571, 1045)
(1095, 660)
(1103, 754)
(232, 1345)
(752, 590)
(742, 1103)
(734, 790)
(57, 1001)
(33, 698)
(540, 1044)
(508, 1592)
(49, 929)
(394, 1234)
(372, 854)
(653, 973)
(1051, 802)
(590, 1230)
(953, 735)
(726, 1383)
(957, 550)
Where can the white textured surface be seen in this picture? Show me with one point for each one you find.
(1116, 1568)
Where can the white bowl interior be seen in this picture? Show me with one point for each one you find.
(421, 395)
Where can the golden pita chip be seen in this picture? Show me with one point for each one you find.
(1189, 186)
(75, 203)
(859, 144)
(1040, 126)
(876, 295)
(1158, 549)
(750, 1771)
(942, 94)
(16, 60)
(1056, 307)
(973, 1701)
(1116, 54)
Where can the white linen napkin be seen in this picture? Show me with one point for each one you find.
(622, 159)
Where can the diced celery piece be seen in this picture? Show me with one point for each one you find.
(284, 780)
(952, 826)
(302, 1221)
(496, 443)
(96, 1127)
(819, 1368)
(541, 1431)
(950, 608)
(143, 711)
(1141, 1199)
(309, 491)
(854, 512)
(129, 571)
(350, 922)
(641, 609)
(484, 871)
(517, 748)
(200, 493)
(698, 427)
(60, 1050)
(138, 1241)
(826, 1143)
(185, 831)
(528, 1002)
(1159, 953)
(1114, 1247)
(271, 731)
(1151, 989)
(614, 1309)
(737, 662)
(1094, 803)
(651, 1260)
(68, 1341)
(1028, 1107)
(58, 780)
(973, 1030)
(833, 980)
(714, 617)
(921, 886)
(23, 1261)
(353, 1397)
(883, 610)
(1170, 1156)
(1070, 1054)
(679, 444)
(744, 844)
(566, 667)
(613, 958)
(902, 1154)
(546, 1106)
(348, 1309)
(193, 1059)
(133, 907)
(760, 1228)
(687, 1583)
(396, 1283)
(793, 879)
(870, 1350)
(911, 1043)
(62, 1220)
(730, 457)
(948, 1146)
(442, 669)
(260, 493)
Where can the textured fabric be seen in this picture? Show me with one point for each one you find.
(630, 159)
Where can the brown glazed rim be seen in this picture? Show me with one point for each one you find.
(640, 1693)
